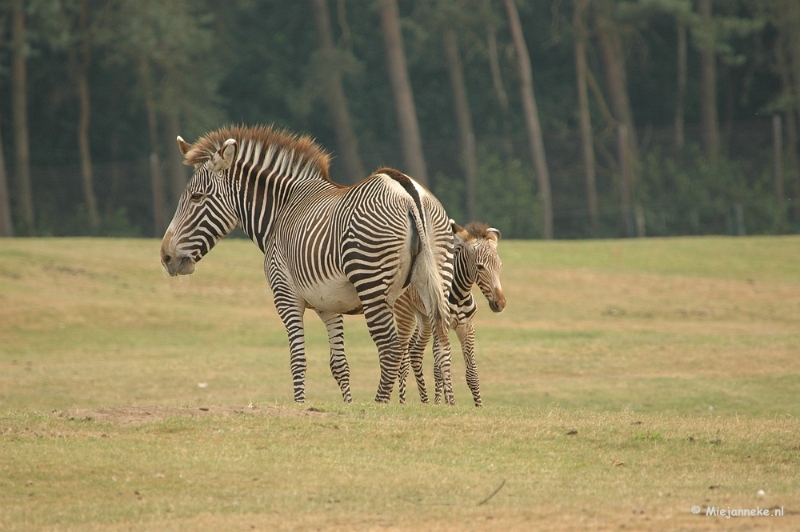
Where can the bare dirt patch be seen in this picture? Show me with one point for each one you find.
(124, 416)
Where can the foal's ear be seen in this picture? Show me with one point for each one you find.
(493, 234)
(223, 159)
(462, 236)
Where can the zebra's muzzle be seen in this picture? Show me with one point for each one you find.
(177, 265)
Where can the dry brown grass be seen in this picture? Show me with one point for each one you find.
(625, 383)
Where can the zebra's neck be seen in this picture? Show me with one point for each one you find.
(266, 179)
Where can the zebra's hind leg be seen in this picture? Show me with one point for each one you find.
(339, 367)
(380, 322)
(466, 336)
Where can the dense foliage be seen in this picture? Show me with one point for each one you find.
(157, 68)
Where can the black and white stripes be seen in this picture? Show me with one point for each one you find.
(327, 247)
(476, 262)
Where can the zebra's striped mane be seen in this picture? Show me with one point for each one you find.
(303, 147)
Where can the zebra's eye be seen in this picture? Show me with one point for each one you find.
(196, 197)
(479, 266)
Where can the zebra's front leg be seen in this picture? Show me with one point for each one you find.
(339, 367)
(290, 309)
(381, 325)
(292, 318)
(466, 337)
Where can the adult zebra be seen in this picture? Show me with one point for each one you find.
(335, 249)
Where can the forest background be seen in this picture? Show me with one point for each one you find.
(545, 118)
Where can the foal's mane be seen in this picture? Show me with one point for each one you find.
(477, 229)
(303, 147)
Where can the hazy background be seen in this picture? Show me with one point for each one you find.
(93, 93)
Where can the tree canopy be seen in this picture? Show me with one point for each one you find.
(701, 89)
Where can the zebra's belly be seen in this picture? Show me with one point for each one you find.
(337, 295)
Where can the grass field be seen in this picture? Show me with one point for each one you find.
(626, 383)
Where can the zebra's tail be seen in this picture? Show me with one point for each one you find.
(426, 274)
(427, 279)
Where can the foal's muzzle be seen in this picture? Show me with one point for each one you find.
(498, 302)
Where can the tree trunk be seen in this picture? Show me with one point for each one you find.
(788, 94)
(410, 140)
(86, 158)
(497, 79)
(587, 141)
(114, 174)
(709, 122)
(793, 42)
(777, 144)
(178, 175)
(612, 58)
(531, 115)
(624, 178)
(6, 226)
(19, 113)
(335, 98)
(82, 73)
(466, 135)
(159, 207)
(680, 94)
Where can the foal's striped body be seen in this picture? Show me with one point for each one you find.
(476, 262)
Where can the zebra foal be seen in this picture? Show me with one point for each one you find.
(475, 262)
(332, 248)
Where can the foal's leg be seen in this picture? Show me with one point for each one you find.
(339, 367)
(405, 321)
(466, 336)
(441, 364)
(416, 352)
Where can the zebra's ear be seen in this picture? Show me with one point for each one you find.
(183, 145)
(223, 159)
(462, 236)
(493, 234)
(191, 156)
